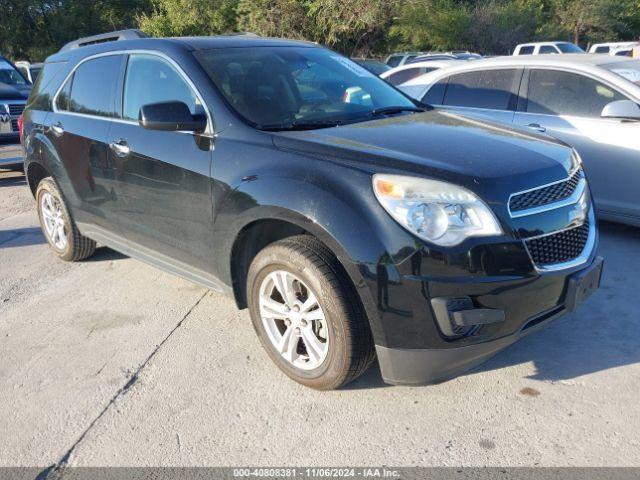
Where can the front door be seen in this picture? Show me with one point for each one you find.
(164, 188)
(568, 106)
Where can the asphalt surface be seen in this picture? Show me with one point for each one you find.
(111, 362)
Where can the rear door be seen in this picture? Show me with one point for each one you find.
(567, 105)
(164, 191)
(78, 127)
(487, 94)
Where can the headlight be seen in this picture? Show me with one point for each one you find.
(437, 212)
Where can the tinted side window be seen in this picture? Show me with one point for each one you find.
(548, 49)
(151, 79)
(492, 89)
(62, 100)
(601, 50)
(526, 50)
(394, 61)
(563, 93)
(404, 75)
(94, 86)
(45, 87)
(435, 94)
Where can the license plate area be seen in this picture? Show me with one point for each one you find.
(583, 284)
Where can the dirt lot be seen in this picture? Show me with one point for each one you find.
(111, 362)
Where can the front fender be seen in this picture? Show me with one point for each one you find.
(353, 226)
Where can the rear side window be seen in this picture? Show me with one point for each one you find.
(526, 51)
(45, 87)
(490, 89)
(562, 93)
(402, 76)
(548, 49)
(394, 61)
(602, 49)
(92, 88)
(150, 79)
(435, 95)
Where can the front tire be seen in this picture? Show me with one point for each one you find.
(58, 227)
(306, 315)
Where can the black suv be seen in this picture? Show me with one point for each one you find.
(349, 220)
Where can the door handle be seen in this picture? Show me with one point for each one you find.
(120, 148)
(57, 129)
(537, 127)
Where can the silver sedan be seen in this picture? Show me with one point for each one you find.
(591, 102)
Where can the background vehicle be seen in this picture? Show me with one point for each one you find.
(588, 101)
(404, 73)
(29, 70)
(611, 47)
(397, 59)
(374, 66)
(14, 90)
(542, 48)
(236, 162)
(446, 56)
(631, 51)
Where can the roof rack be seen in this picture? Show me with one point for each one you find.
(131, 34)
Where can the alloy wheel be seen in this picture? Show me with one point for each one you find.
(294, 320)
(53, 219)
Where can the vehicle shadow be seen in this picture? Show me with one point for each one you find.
(105, 254)
(21, 237)
(602, 334)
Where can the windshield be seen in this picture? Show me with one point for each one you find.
(295, 87)
(10, 75)
(569, 48)
(628, 70)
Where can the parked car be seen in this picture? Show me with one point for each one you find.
(29, 70)
(404, 73)
(611, 47)
(542, 48)
(374, 66)
(348, 229)
(14, 90)
(397, 59)
(588, 101)
(631, 51)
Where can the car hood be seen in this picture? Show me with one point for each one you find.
(479, 155)
(14, 92)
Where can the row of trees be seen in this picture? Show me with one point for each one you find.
(34, 29)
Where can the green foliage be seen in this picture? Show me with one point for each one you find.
(174, 18)
(33, 29)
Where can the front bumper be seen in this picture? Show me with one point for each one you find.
(417, 366)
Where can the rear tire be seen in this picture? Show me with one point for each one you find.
(319, 334)
(58, 227)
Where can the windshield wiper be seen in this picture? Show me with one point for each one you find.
(302, 125)
(391, 110)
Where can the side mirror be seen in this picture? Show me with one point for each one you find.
(171, 117)
(624, 109)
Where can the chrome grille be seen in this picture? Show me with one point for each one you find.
(546, 195)
(16, 109)
(559, 247)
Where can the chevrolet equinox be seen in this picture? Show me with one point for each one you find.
(353, 222)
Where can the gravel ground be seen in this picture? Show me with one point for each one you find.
(111, 362)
